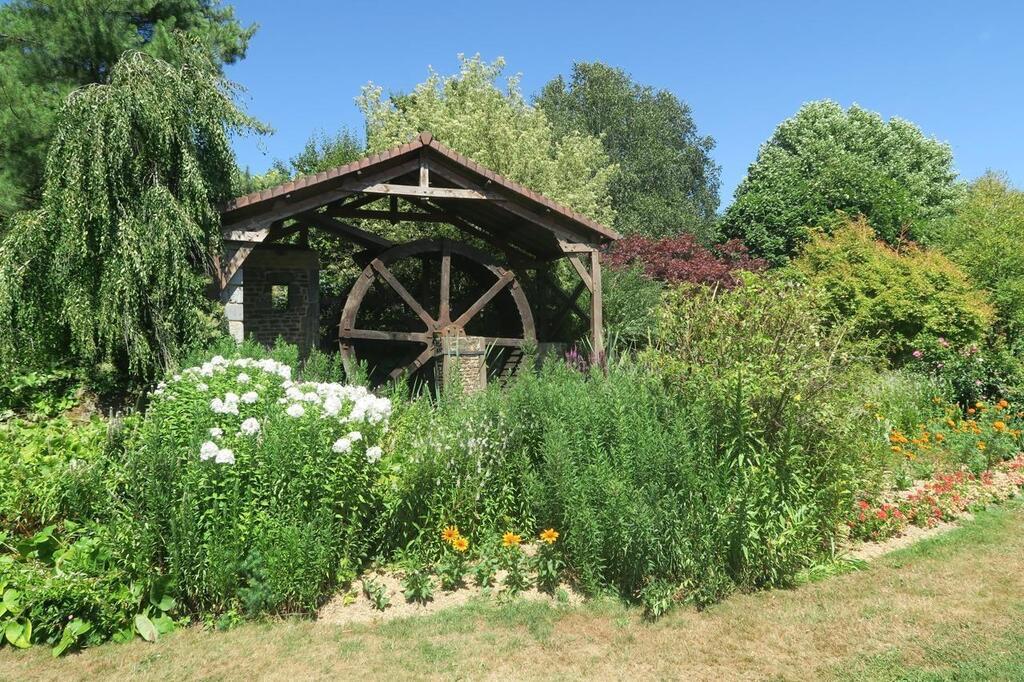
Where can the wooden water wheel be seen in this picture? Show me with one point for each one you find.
(460, 292)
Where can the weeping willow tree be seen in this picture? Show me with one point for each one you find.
(112, 268)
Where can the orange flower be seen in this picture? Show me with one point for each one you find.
(939, 438)
(460, 544)
(450, 534)
(510, 539)
(1003, 404)
(549, 536)
(970, 410)
(999, 425)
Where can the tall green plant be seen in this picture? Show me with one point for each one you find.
(112, 268)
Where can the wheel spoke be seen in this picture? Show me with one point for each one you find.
(375, 335)
(414, 365)
(495, 289)
(390, 278)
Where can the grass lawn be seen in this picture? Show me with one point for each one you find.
(947, 608)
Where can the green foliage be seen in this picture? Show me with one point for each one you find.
(899, 299)
(498, 129)
(630, 302)
(667, 181)
(113, 267)
(56, 469)
(253, 491)
(825, 160)
(43, 393)
(417, 586)
(47, 49)
(983, 238)
(772, 443)
(377, 593)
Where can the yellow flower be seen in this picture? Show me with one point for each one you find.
(999, 425)
(450, 534)
(981, 445)
(939, 438)
(549, 536)
(896, 448)
(950, 423)
(460, 544)
(510, 539)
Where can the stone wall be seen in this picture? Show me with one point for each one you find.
(275, 294)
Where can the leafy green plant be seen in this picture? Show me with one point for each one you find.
(657, 597)
(418, 587)
(548, 562)
(377, 593)
(516, 566)
(484, 571)
(253, 488)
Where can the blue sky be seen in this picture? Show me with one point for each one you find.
(954, 68)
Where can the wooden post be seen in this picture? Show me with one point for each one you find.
(596, 315)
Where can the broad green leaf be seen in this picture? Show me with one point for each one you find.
(144, 626)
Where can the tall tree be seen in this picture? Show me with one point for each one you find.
(50, 47)
(497, 128)
(667, 182)
(825, 162)
(112, 268)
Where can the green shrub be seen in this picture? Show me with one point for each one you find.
(898, 299)
(56, 469)
(983, 238)
(769, 400)
(248, 490)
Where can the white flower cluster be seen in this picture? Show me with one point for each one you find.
(210, 450)
(346, 404)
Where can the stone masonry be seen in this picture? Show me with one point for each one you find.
(275, 294)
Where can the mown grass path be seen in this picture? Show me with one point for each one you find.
(948, 608)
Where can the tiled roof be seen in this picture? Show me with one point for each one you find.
(423, 140)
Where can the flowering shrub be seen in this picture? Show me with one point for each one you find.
(256, 490)
(682, 259)
(943, 498)
(986, 434)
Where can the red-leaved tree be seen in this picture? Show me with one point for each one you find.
(676, 260)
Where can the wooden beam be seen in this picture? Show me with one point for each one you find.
(574, 247)
(409, 216)
(390, 278)
(444, 316)
(582, 272)
(424, 169)
(361, 237)
(503, 281)
(285, 207)
(541, 217)
(417, 191)
(569, 302)
(375, 335)
(596, 312)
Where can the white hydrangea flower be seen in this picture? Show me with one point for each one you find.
(296, 410)
(206, 370)
(294, 393)
(282, 401)
(249, 427)
(311, 397)
(207, 450)
(216, 432)
(224, 456)
(342, 445)
(354, 436)
(201, 387)
(219, 361)
(374, 454)
(176, 377)
(332, 405)
(250, 397)
(243, 378)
